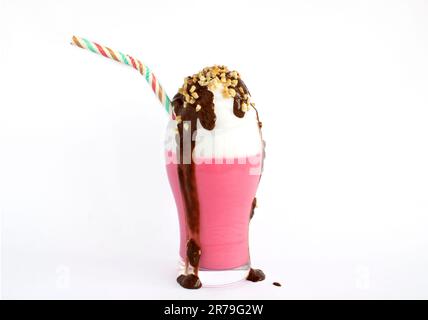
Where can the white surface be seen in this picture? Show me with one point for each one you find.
(342, 92)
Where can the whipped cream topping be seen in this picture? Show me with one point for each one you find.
(232, 137)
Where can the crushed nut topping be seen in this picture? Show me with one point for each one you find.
(213, 78)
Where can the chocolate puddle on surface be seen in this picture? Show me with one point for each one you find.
(256, 275)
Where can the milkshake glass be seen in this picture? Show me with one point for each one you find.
(226, 163)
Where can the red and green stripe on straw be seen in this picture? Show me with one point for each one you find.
(130, 61)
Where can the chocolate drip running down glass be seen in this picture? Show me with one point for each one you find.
(214, 160)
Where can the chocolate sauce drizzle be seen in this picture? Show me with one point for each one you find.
(200, 107)
(256, 275)
(253, 207)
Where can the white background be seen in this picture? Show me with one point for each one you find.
(341, 87)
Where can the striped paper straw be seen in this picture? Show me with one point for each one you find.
(130, 61)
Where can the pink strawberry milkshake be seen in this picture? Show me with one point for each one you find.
(225, 207)
(217, 135)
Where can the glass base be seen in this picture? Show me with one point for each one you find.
(218, 278)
